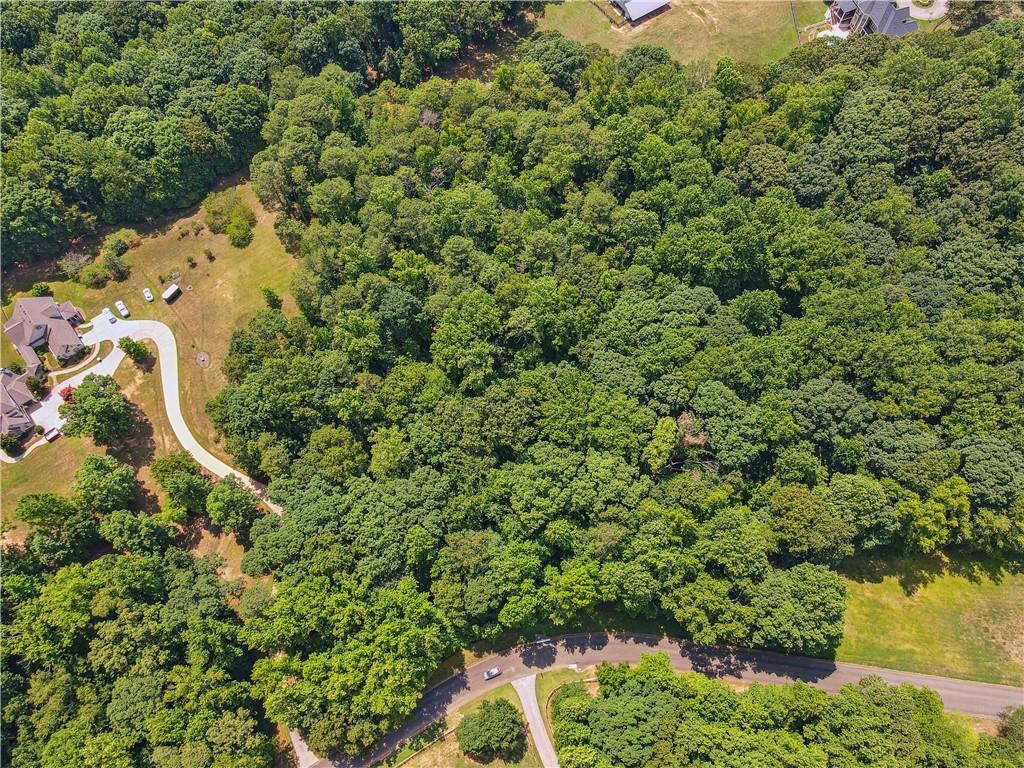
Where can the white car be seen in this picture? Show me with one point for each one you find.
(109, 314)
(492, 673)
(122, 308)
(147, 294)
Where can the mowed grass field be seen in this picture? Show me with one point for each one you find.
(224, 294)
(757, 31)
(954, 618)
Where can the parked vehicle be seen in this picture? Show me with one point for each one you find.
(147, 294)
(122, 308)
(172, 291)
(492, 673)
(110, 315)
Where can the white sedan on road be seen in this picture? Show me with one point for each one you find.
(121, 308)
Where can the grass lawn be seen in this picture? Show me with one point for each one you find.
(224, 294)
(756, 31)
(954, 618)
(49, 468)
(52, 467)
(445, 753)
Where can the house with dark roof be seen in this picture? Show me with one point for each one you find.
(634, 10)
(882, 16)
(15, 403)
(39, 321)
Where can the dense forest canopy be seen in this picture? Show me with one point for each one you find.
(651, 717)
(597, 335)
(114, 111)
(644, 339)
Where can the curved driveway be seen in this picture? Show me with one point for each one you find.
(980, 699)
(104, 330)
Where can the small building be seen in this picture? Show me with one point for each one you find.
(634, 10)
(171, 293)
(39, 321)
(15, 403)
(882, 16)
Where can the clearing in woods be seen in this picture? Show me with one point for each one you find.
(757, 32)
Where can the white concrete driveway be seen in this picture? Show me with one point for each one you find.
(526, 687)
(47, 413)
(104, 330)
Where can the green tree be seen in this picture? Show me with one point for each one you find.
(103, 484)
(232, 506)
(135, 350)
(182, 480)
(98, 410)
(799, 610)
(496, 728)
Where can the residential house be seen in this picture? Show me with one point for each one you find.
(850, 16)
(15, 403)
(634, 10)
(40, 321)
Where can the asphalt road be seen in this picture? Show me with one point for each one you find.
(980, 699)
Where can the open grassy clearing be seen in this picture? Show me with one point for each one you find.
(949, 617)
(445, 753)
(225, 294)
(756, 31)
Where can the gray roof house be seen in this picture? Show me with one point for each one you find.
(634, 10)
(40, 321)
(871, 16)
(15, 403)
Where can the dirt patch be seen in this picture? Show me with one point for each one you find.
(204, 541)
(203, 359)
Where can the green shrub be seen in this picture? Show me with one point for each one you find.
(41, 289)
(37, 386)
(227, 213)
(119, 242)
(94, 276)
(11, 445)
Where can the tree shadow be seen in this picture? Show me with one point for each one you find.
(139, 447)
(191, 532)
(914, 572)
(146, 364)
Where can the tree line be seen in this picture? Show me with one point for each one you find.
(651, 717)
(114, 112)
